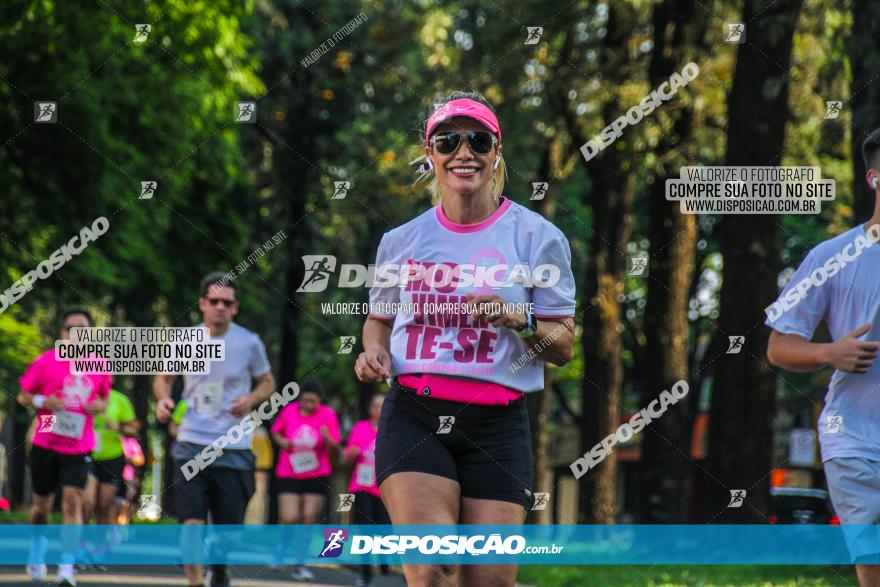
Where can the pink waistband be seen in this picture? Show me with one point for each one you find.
(460, 390)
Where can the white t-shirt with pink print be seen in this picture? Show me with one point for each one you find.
(518, 245)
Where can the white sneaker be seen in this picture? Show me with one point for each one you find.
(300, 573)
(66, 576)
(36, 572)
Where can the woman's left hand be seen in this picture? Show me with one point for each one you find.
(492, 308)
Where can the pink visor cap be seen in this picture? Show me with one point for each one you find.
(463, 107)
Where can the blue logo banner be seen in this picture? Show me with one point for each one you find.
(450, 544)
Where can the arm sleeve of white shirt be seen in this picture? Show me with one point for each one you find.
(793, 314)
(557, 300)
(382, 298)
(259, 361)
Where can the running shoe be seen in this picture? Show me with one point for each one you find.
(217, 576)
(301, 573)
(66, 576)
(36, 572)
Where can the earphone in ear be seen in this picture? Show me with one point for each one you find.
(428, 165)
(497, 162)
(875, 181)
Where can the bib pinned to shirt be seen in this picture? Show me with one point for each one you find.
(209, 398)
(304, 461)
(69, 424)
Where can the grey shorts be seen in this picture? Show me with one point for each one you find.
(854, 487)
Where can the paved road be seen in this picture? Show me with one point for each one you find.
(163, 576)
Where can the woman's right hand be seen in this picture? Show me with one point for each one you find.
(373, 365)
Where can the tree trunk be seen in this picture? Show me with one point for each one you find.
(863, 46)
(539, 403)
(679, 28)
(740, 426)
(611, 203)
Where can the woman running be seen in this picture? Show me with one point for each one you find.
(307, 433)
(360, 452)
(454, 425)
(66, 405)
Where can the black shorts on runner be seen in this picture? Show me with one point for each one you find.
(486, 449)
(223, 491)
(50, 469)
(109, 471)
(369, 509)
(316, 485)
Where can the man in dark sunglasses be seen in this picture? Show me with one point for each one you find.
(216, 403)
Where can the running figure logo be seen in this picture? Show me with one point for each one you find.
(346, 500)
(832, 108)
(346, 345)
(446, 423)
(541, 500)
(341, 189)
(149, 508)
(148, 188)
(247, 112)
(45, 112)
(334, 540)
(534, 35)
(638, 265)
(736, 33)
(141, 32)
(736, 498)
(46, 423)
(833, 424)
(318, 270)
(736, 343)
(539, 189)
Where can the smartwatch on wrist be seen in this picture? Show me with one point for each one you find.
(531, 326)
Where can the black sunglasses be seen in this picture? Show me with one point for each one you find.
(480, 142)
(226, 303)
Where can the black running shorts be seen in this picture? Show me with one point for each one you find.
(223, 491)
(50, 469)
(486, 449)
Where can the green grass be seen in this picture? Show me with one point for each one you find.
(680, 576)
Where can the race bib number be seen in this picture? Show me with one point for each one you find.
(304, 461)
(97, 443)
(209, 399)
(69, 424)
(365, 474)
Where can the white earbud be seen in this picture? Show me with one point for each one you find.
(875, 181)
(497, 162)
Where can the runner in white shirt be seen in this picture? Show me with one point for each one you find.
(454, 425)
(216, 403)
(841, 281)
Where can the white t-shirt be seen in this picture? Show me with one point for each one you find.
(515, 241)
(210, 396)
(849, 425)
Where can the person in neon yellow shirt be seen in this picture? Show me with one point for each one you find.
(176, 419)
(108, 459)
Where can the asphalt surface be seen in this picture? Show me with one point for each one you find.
(163, 576)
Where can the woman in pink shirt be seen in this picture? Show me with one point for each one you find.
(484, 296)
(66, 404)
(307, 432)
(360, 452)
